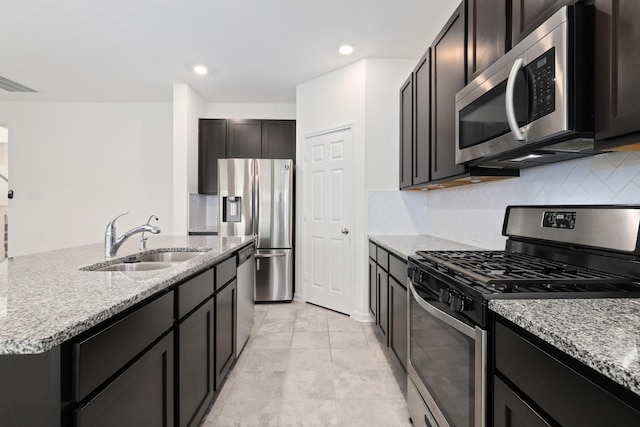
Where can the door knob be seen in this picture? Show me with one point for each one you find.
(345, 231)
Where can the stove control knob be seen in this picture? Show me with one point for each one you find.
(457, 303)
(444, 295)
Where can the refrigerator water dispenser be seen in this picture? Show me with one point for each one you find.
(232, 209)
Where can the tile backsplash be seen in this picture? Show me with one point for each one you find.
(397, 212)
(203, 210)
(474, 214)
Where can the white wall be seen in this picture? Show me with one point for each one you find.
(384, 77)
(188, 107)
(74, 166)
(365, 95)
(251, 111)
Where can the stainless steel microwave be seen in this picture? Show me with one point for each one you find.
(534, 105)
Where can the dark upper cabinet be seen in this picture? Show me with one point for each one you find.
(422, 120)
(617, 87)
(486, 34)
(527, 15)
(415, 107)
(212, 145)
(406, 133)
(245, 139)
(447, 79)
(278, 139)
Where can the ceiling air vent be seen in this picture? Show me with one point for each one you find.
(11, 86)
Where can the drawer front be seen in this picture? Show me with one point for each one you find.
(98, 357)
(382, 258)
(194, 291)
(563, 393)
(398, 269)
(225, 271)
(372, 250)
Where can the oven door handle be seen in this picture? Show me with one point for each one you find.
(510, 110)
(440, 315)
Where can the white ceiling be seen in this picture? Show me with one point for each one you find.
(257, 51)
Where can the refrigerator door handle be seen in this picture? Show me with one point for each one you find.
(270, 255)
(256, 204)
(260, 256)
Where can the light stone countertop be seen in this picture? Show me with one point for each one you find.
(404, 246)
(45, 299)
(604, 334)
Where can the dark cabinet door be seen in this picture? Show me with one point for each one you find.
(279, 139)
(212, 141)
(422, 120)
(616, 72)
(140, 396)
(511, 411)
(373, 289)
(245, 139)
(398, 331)
(527, 15)
(486, 34)
(406, 133)
(225, 327)
(447, 79)
(195, 365)
(383, 301)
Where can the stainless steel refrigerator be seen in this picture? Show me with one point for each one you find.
(255, 197)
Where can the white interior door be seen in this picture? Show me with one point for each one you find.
(329, 260)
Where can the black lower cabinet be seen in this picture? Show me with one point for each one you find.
(142, 395)
(195, 365)
(383, 302)
(398, 327)
(538, 385)
(225, 327)
(373, 290)
(511, 411)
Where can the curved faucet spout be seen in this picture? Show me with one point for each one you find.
(113, 243)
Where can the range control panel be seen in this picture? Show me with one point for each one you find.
(559, 220)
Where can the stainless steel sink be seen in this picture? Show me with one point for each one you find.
(136, 266)
(169, 256)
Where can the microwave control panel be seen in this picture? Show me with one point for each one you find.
(541, 74)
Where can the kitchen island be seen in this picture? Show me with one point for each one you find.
(76, 342)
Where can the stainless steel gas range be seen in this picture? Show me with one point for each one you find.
(551, 252)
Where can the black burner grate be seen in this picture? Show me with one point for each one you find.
(500, 271)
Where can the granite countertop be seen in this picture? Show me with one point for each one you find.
(604, 334)
(403, 246)
(45, 299)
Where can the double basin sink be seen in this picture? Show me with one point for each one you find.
(147, 262)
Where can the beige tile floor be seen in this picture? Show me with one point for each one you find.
(307, 366)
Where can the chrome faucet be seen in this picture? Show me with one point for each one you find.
(113, 243)
(143, 240)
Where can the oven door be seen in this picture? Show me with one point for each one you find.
(447, 363)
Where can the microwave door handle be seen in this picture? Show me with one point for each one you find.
(511, 112)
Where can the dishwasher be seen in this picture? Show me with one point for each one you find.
(246, 296)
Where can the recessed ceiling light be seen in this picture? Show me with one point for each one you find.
(200, 69)
(346, 49)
